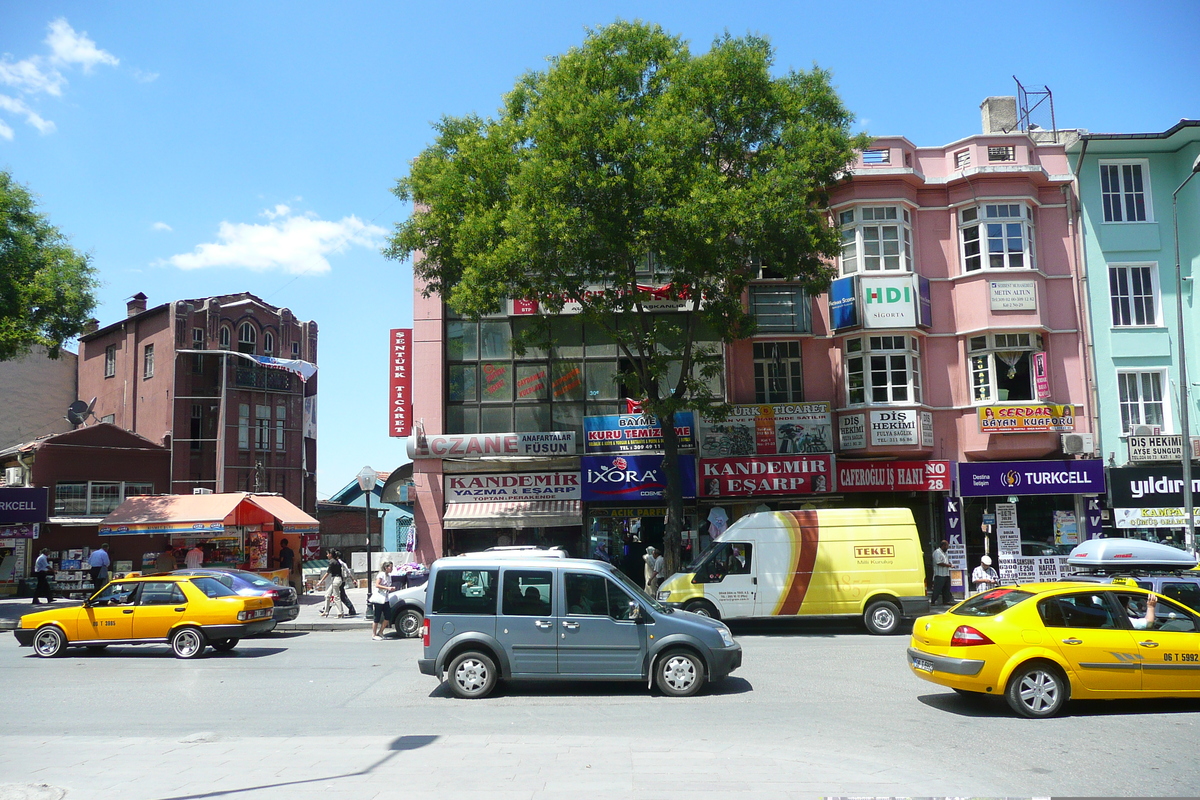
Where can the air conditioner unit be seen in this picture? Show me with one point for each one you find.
(14, 476)
(1146, 430)
(1078, 444)
(202, 490)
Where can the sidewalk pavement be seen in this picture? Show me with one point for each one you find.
(309, 619)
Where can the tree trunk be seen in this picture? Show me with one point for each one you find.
(673, 494)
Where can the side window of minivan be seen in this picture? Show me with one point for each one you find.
(465, 591)
(586, 594)
(527, 593)
(731, 558)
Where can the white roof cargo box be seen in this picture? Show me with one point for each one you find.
(1129, 554)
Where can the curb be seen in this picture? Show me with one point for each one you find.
(322, 626)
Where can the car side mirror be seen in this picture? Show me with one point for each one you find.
(635, 611)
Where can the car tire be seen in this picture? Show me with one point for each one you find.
(882, 617)
(703, 608)
(679, 673)
(1037, 690)
(409, 623)
(224, 645)
(188, 643)
(472, 675)
(49, 642)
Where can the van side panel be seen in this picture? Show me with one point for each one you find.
(858, 562)
(805, 539)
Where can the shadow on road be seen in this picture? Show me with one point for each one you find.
(808, 627)
(995, 706)
(161, 653)
(556, 688)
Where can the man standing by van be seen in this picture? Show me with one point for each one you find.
(941, 575)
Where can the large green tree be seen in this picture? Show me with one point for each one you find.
(47, 288)
(628, 171)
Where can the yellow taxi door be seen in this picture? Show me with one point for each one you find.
(1170, 646)
(1101, 651)
(160, 606)
(109, 613)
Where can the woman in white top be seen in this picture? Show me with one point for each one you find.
(378, 599)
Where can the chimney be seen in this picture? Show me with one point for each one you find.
(135, 305)
(91, 326)
(999, 114)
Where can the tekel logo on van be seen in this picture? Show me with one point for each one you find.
(875, 551)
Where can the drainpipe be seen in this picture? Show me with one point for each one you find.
(1075, 219)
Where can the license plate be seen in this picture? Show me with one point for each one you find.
(922, 664)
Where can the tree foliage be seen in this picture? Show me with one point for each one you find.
(46, 286)
(627, 151)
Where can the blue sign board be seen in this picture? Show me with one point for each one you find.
(617, 478)
(924, 303)
(984, 478)
(631, 433)
(23, 505)
(843, 304)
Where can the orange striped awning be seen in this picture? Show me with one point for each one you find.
(516, 514)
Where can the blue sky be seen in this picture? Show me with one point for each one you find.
(196, 149)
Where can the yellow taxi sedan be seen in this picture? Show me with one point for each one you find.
(1040, 645)
(188, 613)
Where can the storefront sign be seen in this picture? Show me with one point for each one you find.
(29, 530)
(1168, 517)
(902, 427)
(766, 475)
(926, 429)
(893, 476)
(983, 478)
(508, 486)
(1160, 448)
(631, 433)
(1151, 487)
(479, 445)
(650, 298)
(843, 303)
(633, 512)
(1013, 295)
(768, 430)
(632, 477)
(1093, 519)
(400, 383)
(1031, 569)
(888, 302)
(852, 431)
(23, 505)
(1041, 375)
(1037, 418)
(954, 533)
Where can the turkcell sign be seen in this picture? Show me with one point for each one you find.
(481, 445)
(507, 486)
(631, 433)
(23, 505)
(633, 477)
(755, 476)
(983, 478)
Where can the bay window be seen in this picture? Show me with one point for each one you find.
(876, 239)
(996, 236)
(883, 370)
(1001, 367)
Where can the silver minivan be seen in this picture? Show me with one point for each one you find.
(489, 619)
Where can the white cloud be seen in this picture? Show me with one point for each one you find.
(6, 132)
(15, 106)
(141, 76)
(161, 226)
(69, 47)
(28, 76)
(296, 244)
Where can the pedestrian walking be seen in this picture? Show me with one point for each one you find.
(41, 568)
(348, 579)
(660, 571)
(166, 559)
(99, 563)
(379, 600)
(331, 581)
(984, 577)
(941, 575)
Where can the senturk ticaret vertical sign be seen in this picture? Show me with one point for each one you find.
(400, 383)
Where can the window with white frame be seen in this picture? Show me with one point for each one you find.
(243, 426)
(781, 309)
(262, 428)
(1001, 366)
(778, 377)
(224, 337)
(876, 239)
(1124, 190)
(1133, 292)
(996, 236)
(148, 361)
(95, 498)
(110, 361)
(247, 338)
(1141, 398)
(883, 369)
(268, 343)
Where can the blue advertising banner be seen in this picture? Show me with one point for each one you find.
(626, 478)
(843, 304)
(924, 303)
(23, 505)
(983, 478)
(631, 433)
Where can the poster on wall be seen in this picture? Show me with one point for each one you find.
(768, 430)
(624, 478)
(1066, 529)
(400, 382)
(757, 476)
(630, 433)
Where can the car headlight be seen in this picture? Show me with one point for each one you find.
(663, 595)
(726, 636)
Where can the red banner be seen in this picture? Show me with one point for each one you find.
(759, 476)
(893, 476)
(400, 393)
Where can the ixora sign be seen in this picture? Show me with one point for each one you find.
(893, 476)
(755, 476)
(768, 430)
(984, 478)
(609, 479)
(1034, 418)
(481, 445)
(629, 433)
(507, 486)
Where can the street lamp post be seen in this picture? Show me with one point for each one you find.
(1189, 532)
(366, 481)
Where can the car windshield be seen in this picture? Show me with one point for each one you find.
(638, 592)
(989, 604)
(252, 579)
(213, 587)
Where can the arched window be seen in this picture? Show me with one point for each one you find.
(225, 336)
(268, 343)
(247, 338)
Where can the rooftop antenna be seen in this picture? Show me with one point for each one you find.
(1024, 109)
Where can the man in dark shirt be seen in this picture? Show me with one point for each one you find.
(287, 560)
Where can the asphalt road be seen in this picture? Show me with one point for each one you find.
(817, 709)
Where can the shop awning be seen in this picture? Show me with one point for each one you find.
(290, 518)
(527, 514)
(182, 515)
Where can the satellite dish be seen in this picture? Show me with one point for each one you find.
(79, 411)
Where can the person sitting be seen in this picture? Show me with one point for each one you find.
(1141, 621)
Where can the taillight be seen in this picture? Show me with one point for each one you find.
(966, 636)
(425, 632)
(274, 594)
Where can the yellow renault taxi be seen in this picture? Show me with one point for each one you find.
(189, 613)
(1040, 645)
